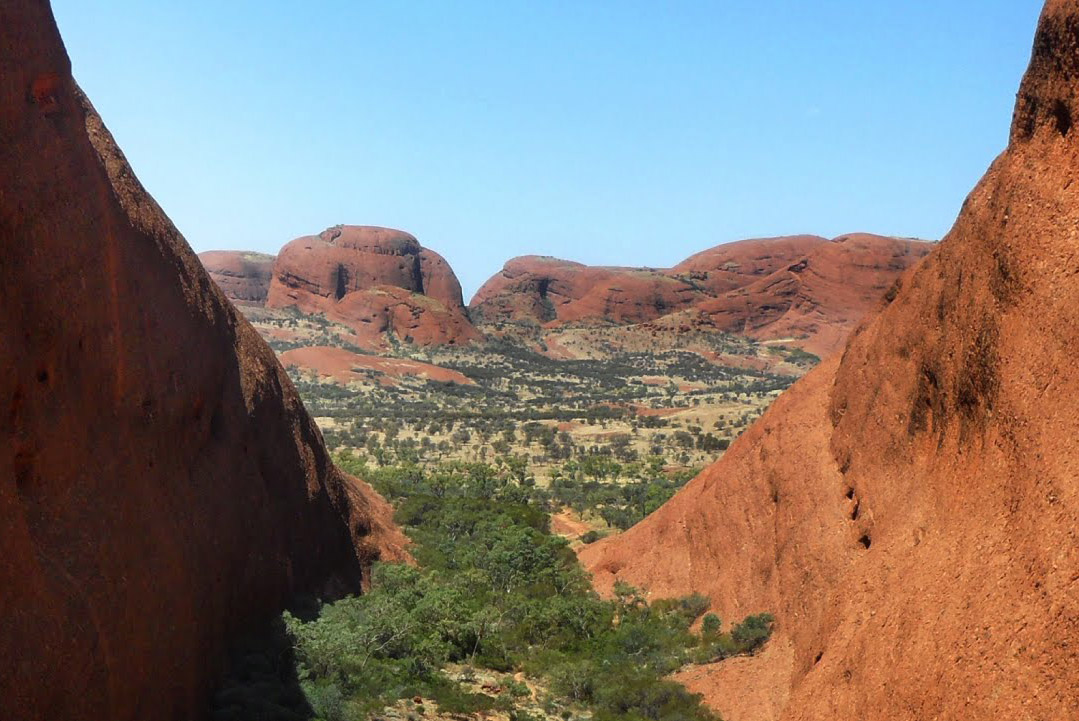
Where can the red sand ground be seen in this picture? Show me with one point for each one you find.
(339, 364)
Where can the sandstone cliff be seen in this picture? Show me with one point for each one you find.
(910, 509)
(163, 488)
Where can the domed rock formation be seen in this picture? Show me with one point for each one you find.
(805, 288)
(163, 490)
(376, 280)
(734, 265)
(243, 276)
(541, 289)
(822, 296)
(909, 510)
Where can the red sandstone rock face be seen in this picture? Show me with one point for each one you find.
(378, 281)
(822, 296)
(540, 289)
(909, 509)
(734, 265)
(806, 288)
(243, 276)
(163, 489)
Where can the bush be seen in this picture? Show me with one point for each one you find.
(591, 537)
(497, 590)
(752, 633)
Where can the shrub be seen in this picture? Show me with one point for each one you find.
(591, 537)
(752, 633)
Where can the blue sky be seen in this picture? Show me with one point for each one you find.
(617, 132)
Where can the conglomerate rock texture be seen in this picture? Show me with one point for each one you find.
(910, 509)
(162, 489)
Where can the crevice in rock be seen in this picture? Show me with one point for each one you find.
(417, 275)
(341, 282)
(865, 541)
(1062, 118)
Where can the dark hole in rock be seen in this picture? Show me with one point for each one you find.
(342, 282)
(854, 511)
(818, 658)
(850, 493)
(43, 376)
(1062, 117)
(864, 540)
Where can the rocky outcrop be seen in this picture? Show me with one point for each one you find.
(379, 281)
(162, 489)
(243, 276)
(819, 299)
(804, 288)
(909, 510)
(540, 289)
(734, 265)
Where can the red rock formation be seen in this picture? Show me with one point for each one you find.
(541, 289)
(802, 287)
(820, 298)
(734, 265)
(378, 281)
(163, 489)
(909, 510)
(630, 296)
(243, 276)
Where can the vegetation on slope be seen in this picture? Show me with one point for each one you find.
(496, 590)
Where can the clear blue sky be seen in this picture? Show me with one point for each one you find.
(609, 131)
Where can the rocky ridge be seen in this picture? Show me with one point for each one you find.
(805, 289)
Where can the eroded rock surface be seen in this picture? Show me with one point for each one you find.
(910, 508)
